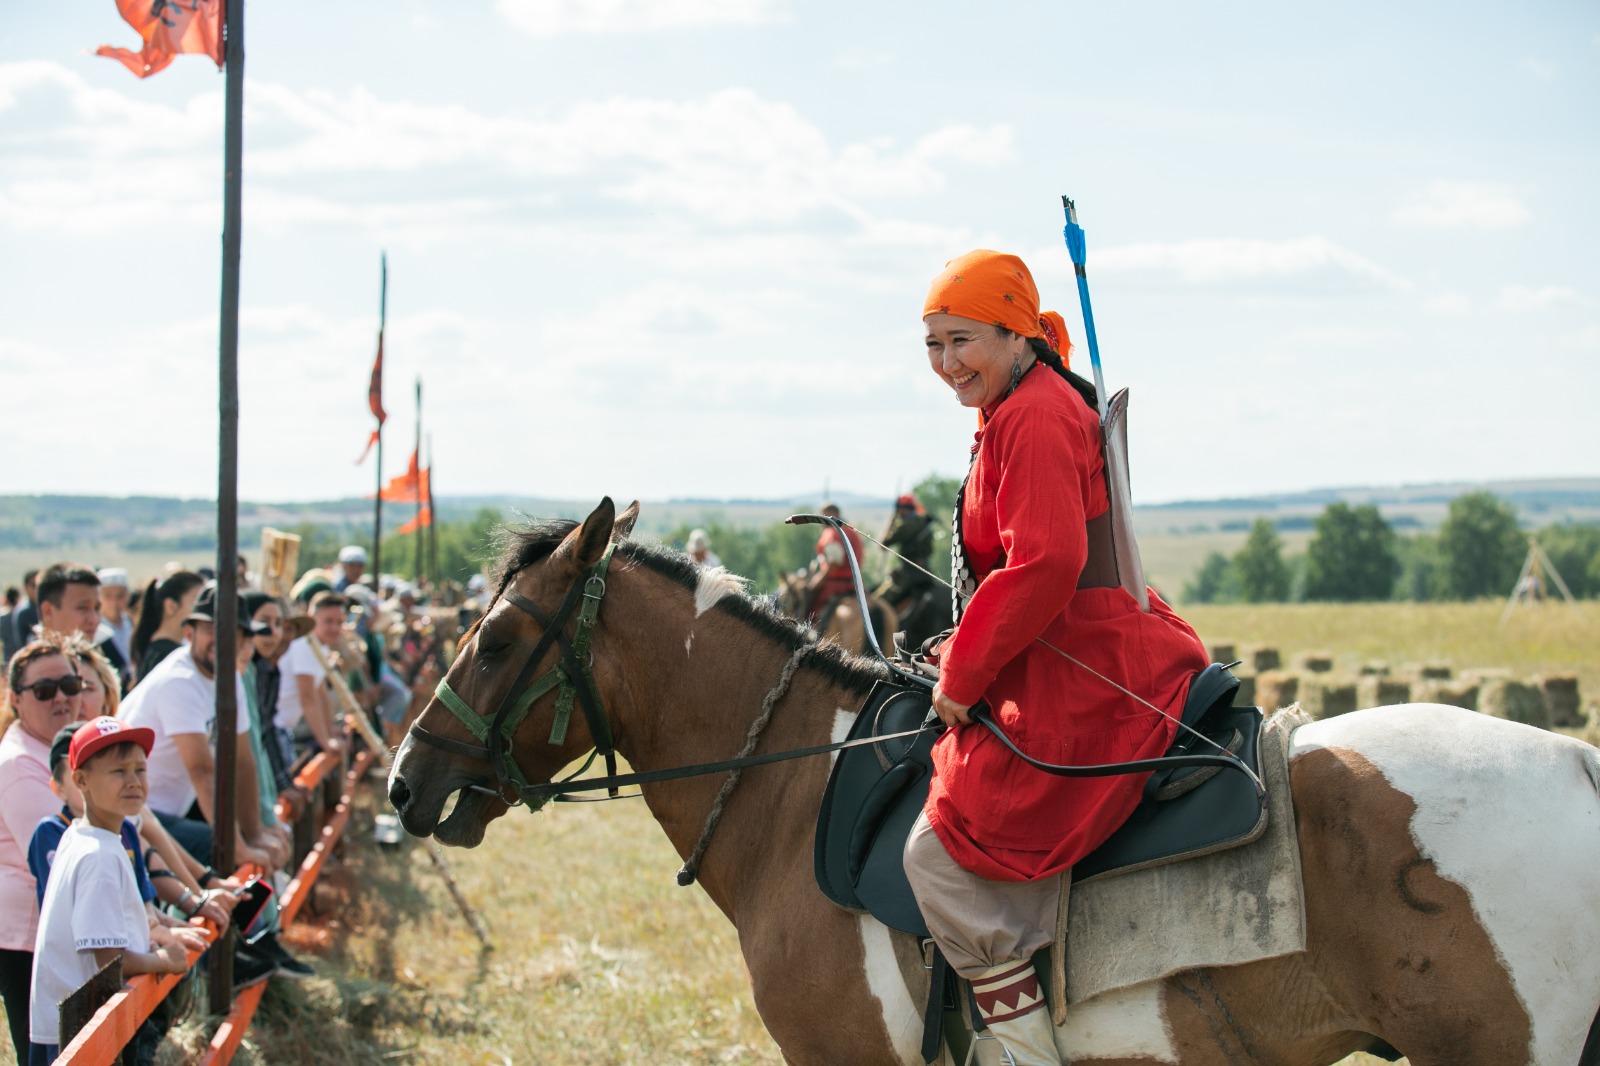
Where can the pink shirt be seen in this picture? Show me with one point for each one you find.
(25, 801)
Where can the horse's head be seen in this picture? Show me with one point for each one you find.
(504, 711)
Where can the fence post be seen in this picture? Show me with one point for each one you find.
(77, 1009)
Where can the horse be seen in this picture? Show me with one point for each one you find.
(840, 620)
(1452, 906)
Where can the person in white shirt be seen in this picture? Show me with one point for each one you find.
(178, 703)
(116, 623)
(699, 548)
(92, 911)
(302, 692)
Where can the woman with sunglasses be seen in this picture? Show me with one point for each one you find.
(41, 697)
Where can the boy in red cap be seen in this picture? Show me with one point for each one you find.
(92, 910)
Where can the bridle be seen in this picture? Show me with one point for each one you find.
(572, 677)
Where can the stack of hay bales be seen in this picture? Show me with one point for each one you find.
(1502, 697)
(1276, 689)
(1324, 695)
(1561, 697)
(1222, 653)
(1262, 657)
(1381, 690)
(1314, 662)
(1434, 683)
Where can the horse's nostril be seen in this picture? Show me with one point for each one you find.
(399, 794)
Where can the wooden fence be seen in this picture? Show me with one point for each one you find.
(316, 832)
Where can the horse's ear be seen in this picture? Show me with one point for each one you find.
(584, 545)
(625, 521)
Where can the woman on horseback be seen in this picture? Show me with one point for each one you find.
(1034, 572)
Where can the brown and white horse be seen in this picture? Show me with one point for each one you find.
(1452, 861)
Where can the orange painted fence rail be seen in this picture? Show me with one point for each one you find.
(100, 1043)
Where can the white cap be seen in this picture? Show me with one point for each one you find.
(698, 541)
(114, 575)
(353, 553)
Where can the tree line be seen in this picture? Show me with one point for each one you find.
(1355, 555)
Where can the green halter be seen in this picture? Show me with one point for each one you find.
(570, 676)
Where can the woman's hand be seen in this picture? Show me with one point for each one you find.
(949, 711)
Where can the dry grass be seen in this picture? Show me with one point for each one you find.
(1553, 638)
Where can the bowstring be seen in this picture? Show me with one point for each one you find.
(1181, 724)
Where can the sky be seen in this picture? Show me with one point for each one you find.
(678, 248)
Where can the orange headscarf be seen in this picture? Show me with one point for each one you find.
(996, 288)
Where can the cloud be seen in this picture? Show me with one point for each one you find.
(1588, 339)
(1447, 303)
(1234, 259)
(550, 18)
(1527, 298)
(315, 158)
(1462, 205)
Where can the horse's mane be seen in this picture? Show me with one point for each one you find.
(524, 546)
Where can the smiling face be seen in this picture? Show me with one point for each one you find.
(973, 358)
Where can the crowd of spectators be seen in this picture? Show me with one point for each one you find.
(108, 762)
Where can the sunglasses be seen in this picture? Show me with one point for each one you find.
(45, 690)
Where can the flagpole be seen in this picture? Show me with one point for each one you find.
(377, 500)
(418, 454)
(226, 618)
(433, 522)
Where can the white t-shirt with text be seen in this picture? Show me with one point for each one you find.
(90, 902)
(176, 699)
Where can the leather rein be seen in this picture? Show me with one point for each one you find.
(573, 679)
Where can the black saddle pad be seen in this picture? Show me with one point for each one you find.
(876, 792)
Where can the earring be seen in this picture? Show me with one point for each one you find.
(1016, 374)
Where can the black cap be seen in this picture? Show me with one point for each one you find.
(61, 746)
(205, 610)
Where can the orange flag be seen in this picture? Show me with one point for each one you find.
(375, 400)
(169, 28)
(424, 516)
(410, 487)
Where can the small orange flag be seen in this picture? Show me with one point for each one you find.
(169, 28)
(424, 517)
(410, 487)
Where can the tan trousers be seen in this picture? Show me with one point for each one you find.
(978, 924)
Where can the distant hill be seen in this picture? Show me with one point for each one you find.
(151, 524)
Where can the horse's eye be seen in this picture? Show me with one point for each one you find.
(493, 649)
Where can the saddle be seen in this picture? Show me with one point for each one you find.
(876, 792)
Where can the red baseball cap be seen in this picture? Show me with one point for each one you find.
(102, 733)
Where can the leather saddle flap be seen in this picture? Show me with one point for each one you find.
(1219, 811)
(874, 795)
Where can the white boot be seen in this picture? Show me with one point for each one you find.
(1013, 1006)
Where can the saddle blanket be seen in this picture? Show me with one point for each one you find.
(1236, 906)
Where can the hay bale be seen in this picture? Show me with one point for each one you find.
(1434, 672)
(1260, 657)
(1222, 653)
(1561, 697)
(1246, 696)
(1452, 694)
(1377, 690)
(1514, 701)
(1276, 689)
(1374, 669)
(1327, 697)
(1314, 662)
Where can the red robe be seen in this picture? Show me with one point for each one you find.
(1037, 478)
